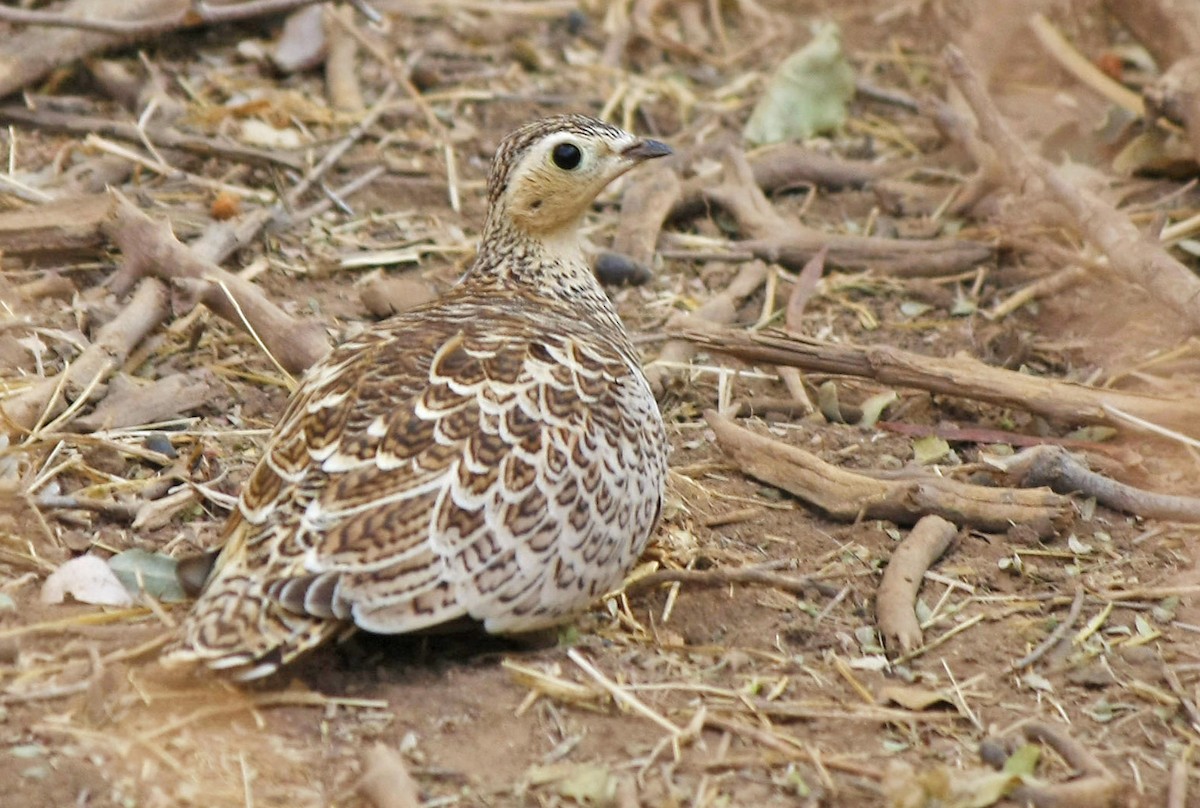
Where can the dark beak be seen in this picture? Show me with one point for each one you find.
(646, 150)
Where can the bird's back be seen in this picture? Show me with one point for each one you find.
(498, 458)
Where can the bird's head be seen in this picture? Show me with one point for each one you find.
(547, 173)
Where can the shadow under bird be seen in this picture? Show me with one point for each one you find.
(495, 454)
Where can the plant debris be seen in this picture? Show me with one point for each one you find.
(993, 245)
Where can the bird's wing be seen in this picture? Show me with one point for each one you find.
(423, 477)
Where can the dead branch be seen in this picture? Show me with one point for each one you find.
(720, 309)
(341, 65)
(740, 195)
(786, 166)
(1170, 31)
(80, 28)
(1098, 788)
(897, 593)
(149, 248)
(892, 256)
(1134, 257)
(168, 15)
(1055, 467)
(129, 402)
(29, 56)
(1175, 96)
(85, 376)
(49, 120)
(1055, 637)
(978, 434)
(803, 291)
(1046, 286)
(644, 207)
(957, 376)
(848, 496)
(777, 239)
(62, 225)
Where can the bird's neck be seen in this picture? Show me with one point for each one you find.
(548, 266)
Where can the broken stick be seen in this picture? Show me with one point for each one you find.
(779, 239)
(645, 204)
(957, 376)
(786, 166)
(848, 496)
(150, 248)
(896, 597)
(720, 310)
(1055, 467)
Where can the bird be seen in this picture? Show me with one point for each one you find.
(495, 455)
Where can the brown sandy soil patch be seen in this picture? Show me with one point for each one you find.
(731, 694)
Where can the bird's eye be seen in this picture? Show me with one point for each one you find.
(566, 156)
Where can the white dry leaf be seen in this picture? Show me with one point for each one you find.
(874, 662)
(1078, 547)
(808, 94)
(87, 579)
(1038, 682)
(260, 133)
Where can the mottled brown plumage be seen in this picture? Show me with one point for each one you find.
(495, 454)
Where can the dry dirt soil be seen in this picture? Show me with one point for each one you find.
(745, 695)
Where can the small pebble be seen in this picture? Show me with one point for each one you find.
(576, 22)
(162, 444)
(614, 269)
(993, 752)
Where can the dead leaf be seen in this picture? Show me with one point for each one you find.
(86, 579)
(153, 573)
(929, 450)
(808, 93)
(917, 698)
(586, 783)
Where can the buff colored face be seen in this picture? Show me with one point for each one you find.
(560, 176)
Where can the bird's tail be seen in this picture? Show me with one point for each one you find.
(236, 628)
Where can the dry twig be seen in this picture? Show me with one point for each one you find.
(50, 120)
(1055, 467)
(720, 309)
(1055, 637)
(644, 207)
(149, 248)
(737, 575)
(778, 239)
(848, 496)
(782, 167)
(84, 27)
(1098, 788)
(957, 376)
(894, 615)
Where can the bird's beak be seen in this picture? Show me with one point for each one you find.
(645, 150)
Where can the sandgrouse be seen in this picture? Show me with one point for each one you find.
(494, 455)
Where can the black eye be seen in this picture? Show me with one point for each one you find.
(566, 156)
